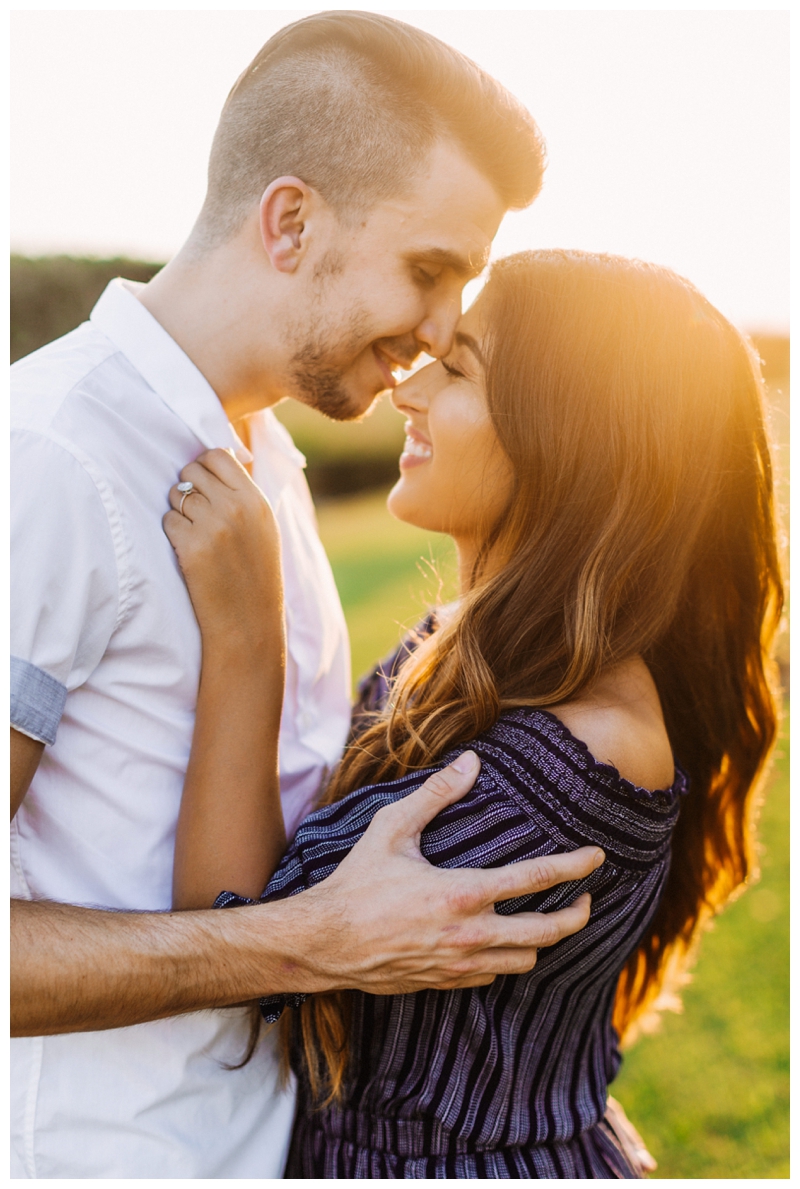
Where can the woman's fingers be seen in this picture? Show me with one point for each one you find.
(208, 483)
(534, 875)
(201, 478)
(224, 467)
(174, 526)
(218, 478)
(214, 467)
(181, 502)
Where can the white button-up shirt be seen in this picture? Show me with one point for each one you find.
(105, 669)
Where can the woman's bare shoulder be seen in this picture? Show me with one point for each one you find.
(621, 722)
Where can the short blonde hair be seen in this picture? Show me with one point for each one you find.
(352, 103)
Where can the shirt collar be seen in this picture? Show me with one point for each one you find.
(167, 369)
(281, 438)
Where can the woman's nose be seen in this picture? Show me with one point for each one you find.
(414, 394)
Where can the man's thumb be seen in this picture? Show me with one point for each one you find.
(411, 815)
(467, 764)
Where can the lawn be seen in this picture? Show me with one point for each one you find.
(388, 573)
(709, 1091)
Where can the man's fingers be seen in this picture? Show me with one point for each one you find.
(566, 921)
(491, 964)
(409, 817)
(514, 941)
(525, 930)
(535, 875)
(518, 940)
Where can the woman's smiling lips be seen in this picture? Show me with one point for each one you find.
(416, 448)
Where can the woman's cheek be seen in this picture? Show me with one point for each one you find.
(453, 486)
(416, 499)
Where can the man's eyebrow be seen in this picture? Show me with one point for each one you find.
(462, 266)
(466, 340)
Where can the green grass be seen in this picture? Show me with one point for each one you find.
(709, 1091)
(388, 573)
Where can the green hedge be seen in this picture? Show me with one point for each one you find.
(51, 295)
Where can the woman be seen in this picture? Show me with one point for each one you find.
(595, 444)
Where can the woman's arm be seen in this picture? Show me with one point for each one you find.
(230, 830)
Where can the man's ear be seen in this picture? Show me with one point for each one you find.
(282, 216)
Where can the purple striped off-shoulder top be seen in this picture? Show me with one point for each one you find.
(511, 1079)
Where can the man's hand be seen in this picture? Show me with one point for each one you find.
(388, 922)
(385, 922)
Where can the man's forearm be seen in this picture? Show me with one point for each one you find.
(81, 969)
(385, 922)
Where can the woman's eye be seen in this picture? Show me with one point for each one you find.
(426, 278)
(451, 371)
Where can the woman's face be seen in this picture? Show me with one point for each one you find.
(454, 475)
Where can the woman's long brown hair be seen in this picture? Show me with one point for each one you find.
(641, 523)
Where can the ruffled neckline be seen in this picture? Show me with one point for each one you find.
(679, 786)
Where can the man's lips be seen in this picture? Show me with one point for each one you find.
(386, 365)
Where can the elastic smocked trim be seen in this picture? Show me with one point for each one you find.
(679, 786)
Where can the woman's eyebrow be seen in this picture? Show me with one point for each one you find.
(466, 340)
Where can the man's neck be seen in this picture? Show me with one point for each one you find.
(206, 305)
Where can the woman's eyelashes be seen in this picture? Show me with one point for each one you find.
(452, 371)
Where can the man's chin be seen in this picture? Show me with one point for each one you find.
(351, 412)
(327, 394)
(340, 405)
(364, 410)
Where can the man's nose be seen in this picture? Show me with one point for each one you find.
(435, 332)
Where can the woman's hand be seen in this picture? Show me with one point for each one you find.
(230, 831)
(228, 547)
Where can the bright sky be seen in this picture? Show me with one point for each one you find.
(667, 132)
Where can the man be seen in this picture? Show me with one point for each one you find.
(358, 175)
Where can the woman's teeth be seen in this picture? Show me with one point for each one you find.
(417, 449)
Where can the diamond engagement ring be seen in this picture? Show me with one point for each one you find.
(185, 489)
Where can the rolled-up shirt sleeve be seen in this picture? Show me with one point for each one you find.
(65, 579)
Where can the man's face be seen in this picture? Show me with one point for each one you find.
(384, 290)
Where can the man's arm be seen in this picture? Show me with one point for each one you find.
(25, 755)
(386, 922)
